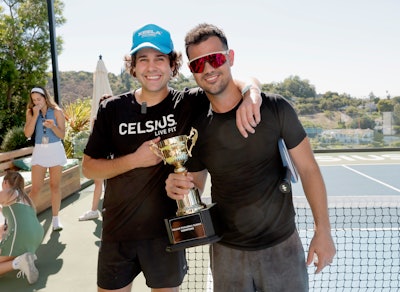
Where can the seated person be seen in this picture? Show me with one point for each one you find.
(22, 232)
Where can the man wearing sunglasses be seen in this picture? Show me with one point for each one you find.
(134, 237)
(260, 249)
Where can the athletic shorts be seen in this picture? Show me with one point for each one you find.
(278, 268)
(120, 262)
(49, 155)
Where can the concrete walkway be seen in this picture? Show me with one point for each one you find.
(67, 260)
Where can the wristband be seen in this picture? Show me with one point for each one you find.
(245, 89)
(249, 87)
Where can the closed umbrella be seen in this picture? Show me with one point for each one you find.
(101, 86)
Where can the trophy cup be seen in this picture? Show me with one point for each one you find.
(195, 222)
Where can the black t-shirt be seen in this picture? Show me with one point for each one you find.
(246, 173)
(135, 202)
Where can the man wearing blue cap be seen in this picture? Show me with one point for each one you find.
(134, 237)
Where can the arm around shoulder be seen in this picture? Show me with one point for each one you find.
(248, 114)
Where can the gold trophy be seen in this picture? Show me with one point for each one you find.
(194, 221)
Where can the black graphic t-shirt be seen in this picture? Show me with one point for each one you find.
(135, 203)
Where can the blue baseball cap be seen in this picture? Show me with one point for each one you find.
(152, 36)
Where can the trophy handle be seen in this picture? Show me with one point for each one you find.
(154, 148)
(193, 137)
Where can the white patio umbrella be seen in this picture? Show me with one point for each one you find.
(101, 86)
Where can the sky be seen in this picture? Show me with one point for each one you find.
(344, 46)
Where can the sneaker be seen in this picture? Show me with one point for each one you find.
(27, 267)
(57, 226)
(89, 215)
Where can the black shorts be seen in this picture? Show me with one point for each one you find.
(120, 262)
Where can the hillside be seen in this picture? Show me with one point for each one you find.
(74, 85)
(324, 121)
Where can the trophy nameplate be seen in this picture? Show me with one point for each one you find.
(194, 229)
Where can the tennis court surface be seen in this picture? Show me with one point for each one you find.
(364, 206)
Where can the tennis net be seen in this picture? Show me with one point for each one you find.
(366, 232)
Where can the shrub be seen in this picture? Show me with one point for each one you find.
(77, 127)
(15, 139)
(79, 142)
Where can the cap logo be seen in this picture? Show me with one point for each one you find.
(149, 33)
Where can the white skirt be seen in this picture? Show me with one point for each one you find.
(49, 155)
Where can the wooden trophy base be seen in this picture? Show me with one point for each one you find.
(193, 229)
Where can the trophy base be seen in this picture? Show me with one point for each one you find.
(194, 229)
(197, 242)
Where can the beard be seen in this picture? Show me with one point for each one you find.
(214, 88)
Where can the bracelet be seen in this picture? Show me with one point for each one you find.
(245, 89)
(249, 87)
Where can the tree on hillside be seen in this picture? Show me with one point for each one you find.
(396, 117)
(293, 86)
(396, 100)
(385, 105)
(24, 54)
(362, 122)
(334, 101)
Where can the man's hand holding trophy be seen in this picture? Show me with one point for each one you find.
(195, 223)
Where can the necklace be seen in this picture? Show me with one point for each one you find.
(43, 120)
